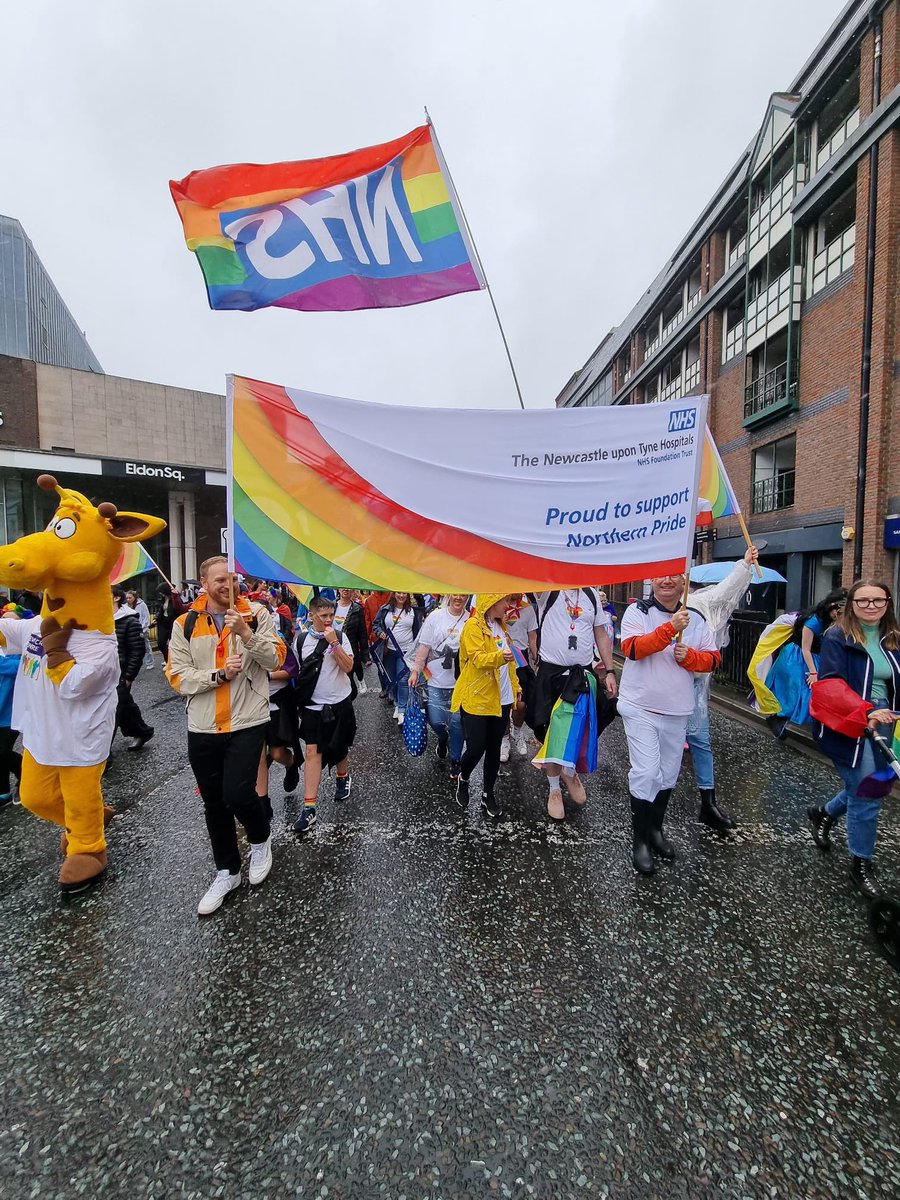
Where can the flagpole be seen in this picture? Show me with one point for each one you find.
(467, 234)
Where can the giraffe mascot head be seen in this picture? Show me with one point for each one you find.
(65, 695)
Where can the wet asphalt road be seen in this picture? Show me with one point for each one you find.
(418, 1004)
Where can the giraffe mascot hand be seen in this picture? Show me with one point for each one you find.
(65, 696)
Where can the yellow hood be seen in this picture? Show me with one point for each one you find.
(486, 600)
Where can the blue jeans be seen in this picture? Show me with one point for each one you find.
(398, 674)
(862, 812)
(697, 736)
(445, 723)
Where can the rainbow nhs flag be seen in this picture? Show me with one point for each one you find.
(375, 228)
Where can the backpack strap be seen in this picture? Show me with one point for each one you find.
(551, 600)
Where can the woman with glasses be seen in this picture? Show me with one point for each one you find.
(796, 668)
(863, 650)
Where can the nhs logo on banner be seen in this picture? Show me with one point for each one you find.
(681, 419)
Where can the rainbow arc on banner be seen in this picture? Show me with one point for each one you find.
(375, 228)
(134, 560)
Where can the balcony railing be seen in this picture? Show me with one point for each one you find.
(774, 206)
(838, 256)
(837, 139)
(694, 300)
(691, 375)
(769, 390)
(765, 307)
(672, 390)
(737, 251)
(733, 343)
(775, 493)
(652, 347)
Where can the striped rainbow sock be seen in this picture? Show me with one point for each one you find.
(309, 802)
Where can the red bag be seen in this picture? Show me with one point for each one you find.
(837, 706)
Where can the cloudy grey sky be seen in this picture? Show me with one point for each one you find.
(583, 135)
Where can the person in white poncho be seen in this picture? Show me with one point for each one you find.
(715, 605)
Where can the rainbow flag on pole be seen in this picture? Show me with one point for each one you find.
(375, 228)
(715, 486)
(134, 560)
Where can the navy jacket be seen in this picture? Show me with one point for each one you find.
(843, 659)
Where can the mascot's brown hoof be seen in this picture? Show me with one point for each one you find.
(108, 813)
(80, 871)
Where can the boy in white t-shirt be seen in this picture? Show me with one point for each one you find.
(325, 699)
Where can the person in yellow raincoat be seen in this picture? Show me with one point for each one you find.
(484, 694)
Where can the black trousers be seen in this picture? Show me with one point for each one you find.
(483, 738)
(128, 715)
(10, 760)
(225, 765)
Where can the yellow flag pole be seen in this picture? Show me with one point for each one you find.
(746, 532)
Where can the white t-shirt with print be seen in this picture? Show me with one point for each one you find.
(560, 628)
(506, 690)
(340, 615)
(70, 725)
(333, 684)
(520, 626)
(441, 633)
(400, 624)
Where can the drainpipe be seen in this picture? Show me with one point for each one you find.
(866, 367)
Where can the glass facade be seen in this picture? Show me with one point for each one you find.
(34, 320)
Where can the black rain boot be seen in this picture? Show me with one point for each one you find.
(711, 814)
(863, 878)
(641, 857)
(657, 840)
(822, 825)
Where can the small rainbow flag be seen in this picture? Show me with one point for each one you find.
(715, 486)
(518, 656)
(134, 560)
(375, 228)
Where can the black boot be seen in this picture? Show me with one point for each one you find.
(779, 726)
(863, 878)
(657, 840)
(711, 814)
(822, 825)
(641, 857)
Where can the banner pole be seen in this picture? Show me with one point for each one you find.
(745, 531)
(467, 235)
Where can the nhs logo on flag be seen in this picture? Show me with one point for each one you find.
(681, 419)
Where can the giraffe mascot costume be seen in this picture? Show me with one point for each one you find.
(65, 695)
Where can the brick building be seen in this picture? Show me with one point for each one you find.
(773, 306)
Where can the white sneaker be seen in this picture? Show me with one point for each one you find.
(362, 687)
(399, 718)
(223, 883)
(260, 861)
(521, 742)
(395, 715)
(504, 749)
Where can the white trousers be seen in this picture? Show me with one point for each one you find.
(655, 748)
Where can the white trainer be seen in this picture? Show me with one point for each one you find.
(223, 883)
(260, 861)
(395, 715)
(521, 742)
(504, 748)
(400, 716)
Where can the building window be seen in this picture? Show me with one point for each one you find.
(600, 393)
(773, 475)
(773, 380)
(825, 572)
(670, 381)
(623, 367)
(652, 336)
(733, 330)
(834, 241)
(673, 313)
(651, 391)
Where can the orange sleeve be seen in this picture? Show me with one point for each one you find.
(645, 644)
(701, 661)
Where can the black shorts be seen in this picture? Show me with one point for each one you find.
(340, 726)
(283, 728)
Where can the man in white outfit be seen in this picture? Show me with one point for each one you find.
(715, 605)
(656, 697)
